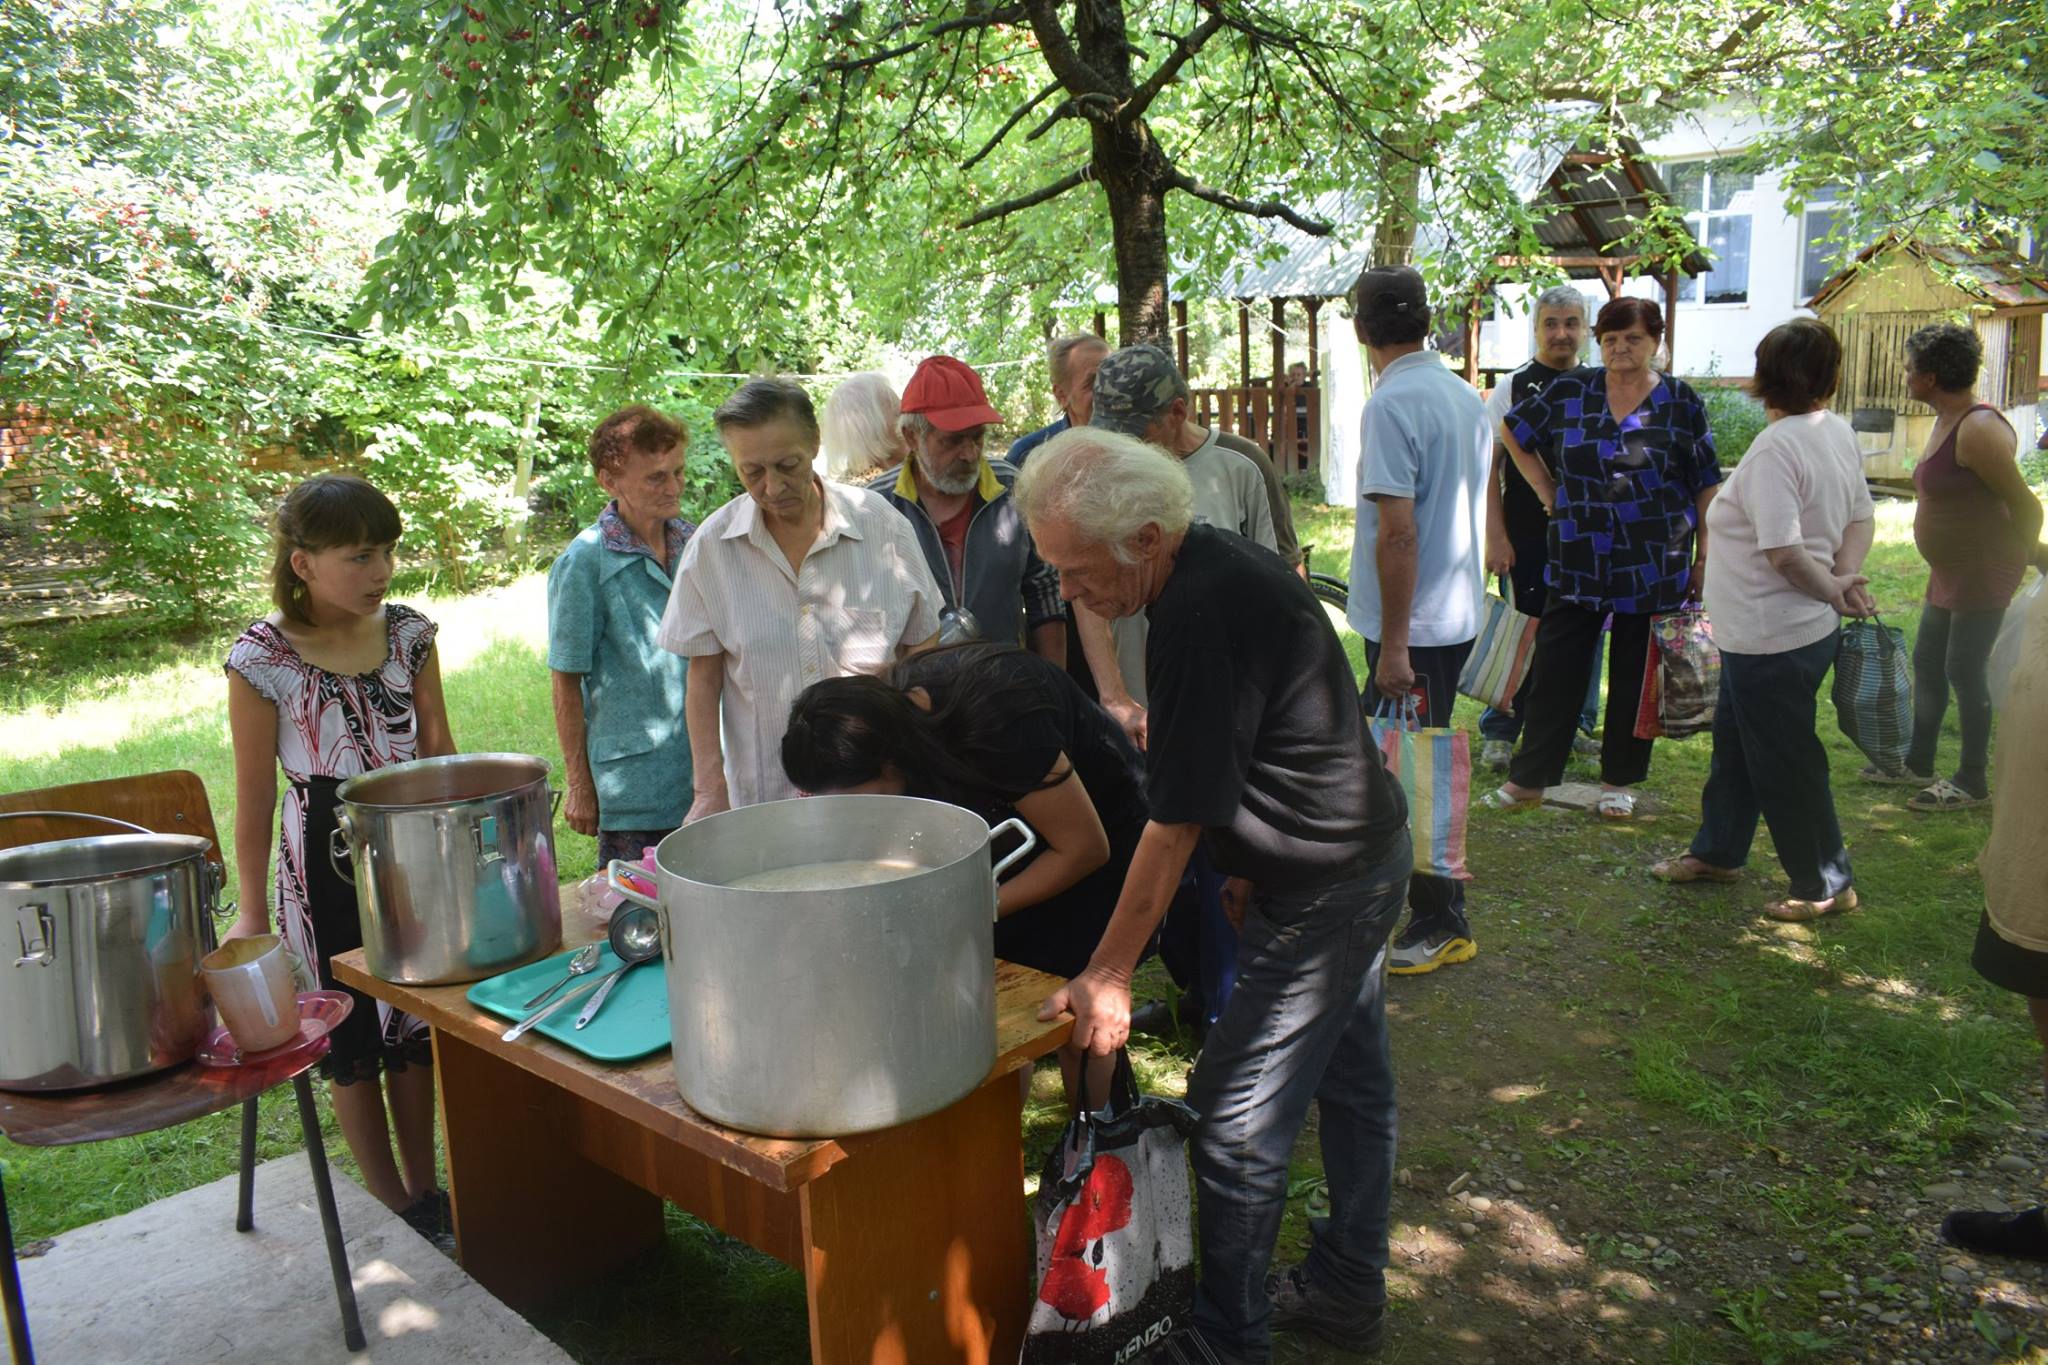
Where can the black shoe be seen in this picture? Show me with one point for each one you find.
(1155, 1019)
(428, 1216)
(1189, 1347)
(1298, 1306)
(2022, 1234)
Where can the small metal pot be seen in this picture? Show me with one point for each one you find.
(104, 936)
(824, 1013)
(453, 861)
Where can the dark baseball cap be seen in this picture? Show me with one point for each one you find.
(1392, 289)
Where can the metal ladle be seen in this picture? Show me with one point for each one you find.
(636, 937)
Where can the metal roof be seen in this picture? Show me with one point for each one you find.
(1596, 206)
(1310, 267)
(2002, 279)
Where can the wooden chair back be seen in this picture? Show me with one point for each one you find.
(171, 802)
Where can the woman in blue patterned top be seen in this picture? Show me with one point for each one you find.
(1623, 460)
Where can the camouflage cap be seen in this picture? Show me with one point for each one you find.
(1133, 387)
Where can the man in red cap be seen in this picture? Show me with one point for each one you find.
(958, 502)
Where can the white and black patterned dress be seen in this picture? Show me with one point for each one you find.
(331, 726)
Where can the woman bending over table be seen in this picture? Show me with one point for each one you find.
(1002, 733)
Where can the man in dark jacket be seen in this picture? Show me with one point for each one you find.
(958, 502)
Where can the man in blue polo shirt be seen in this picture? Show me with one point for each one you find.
(618, 694)
(1417, 571)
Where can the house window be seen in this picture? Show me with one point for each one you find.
(1716, 202)
(1820, 258)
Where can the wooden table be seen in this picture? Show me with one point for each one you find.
(914, 1241)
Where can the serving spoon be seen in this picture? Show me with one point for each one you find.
(636, 937)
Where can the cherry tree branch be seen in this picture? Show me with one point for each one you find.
(1261, 208)
(1141, 99)
(1080, 176)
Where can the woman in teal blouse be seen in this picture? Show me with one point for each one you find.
(618, 695)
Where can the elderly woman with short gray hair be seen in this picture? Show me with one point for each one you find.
(795, 580)
(1258, 749)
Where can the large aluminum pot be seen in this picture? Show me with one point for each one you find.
(102, 939)
(454, 865)
(823, 1013)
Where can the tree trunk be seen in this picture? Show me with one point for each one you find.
(1137, 221)
(1132, 172)
(1393, 235)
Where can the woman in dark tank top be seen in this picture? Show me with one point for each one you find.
(1977, 525)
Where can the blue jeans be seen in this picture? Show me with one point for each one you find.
(1307, 1021)
(1769, 762)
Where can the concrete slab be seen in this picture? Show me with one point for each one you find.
(174, 1282)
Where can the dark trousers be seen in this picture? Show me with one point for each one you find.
(1953, 651)
(1308, 1021)
(628, 844)
(1769, 762)
(1557, 688)
(1435, 902)
(1523, 586)
(1197, 942)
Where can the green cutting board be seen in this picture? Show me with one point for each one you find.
(633, 1023)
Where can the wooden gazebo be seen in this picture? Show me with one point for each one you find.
(1586, 204)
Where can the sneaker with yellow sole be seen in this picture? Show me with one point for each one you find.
(1425, 950)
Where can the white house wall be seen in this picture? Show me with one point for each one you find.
(1713, 339)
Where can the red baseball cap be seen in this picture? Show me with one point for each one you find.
(948, 394)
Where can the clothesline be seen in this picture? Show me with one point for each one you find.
(103, 289)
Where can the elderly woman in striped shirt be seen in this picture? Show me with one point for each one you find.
(794, 581)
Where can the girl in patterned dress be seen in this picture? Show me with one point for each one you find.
(333, 683)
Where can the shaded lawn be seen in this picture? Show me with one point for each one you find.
(1872, 1025)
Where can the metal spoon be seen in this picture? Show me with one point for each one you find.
(636, 938)
(585, 960)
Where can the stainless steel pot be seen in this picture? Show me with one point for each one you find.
(104, 936)
(453, 861)
(823, 1013)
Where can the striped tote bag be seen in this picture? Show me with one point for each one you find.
(1500, 657)
(1873, 692)
(1434, 768)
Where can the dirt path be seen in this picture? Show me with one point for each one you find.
(1544, 1211)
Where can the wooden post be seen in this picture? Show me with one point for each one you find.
(1671, 318)
(1180, 334)
(1315, 341)
(1472, 337)
(1244, 344)
(1101, 325)
(1273, 437)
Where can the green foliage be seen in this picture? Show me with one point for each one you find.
(2034, 466)
(176, 274)
(1735, 418)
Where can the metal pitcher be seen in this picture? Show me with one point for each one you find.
(823, 1013)
(453, 861)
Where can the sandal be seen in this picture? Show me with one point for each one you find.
(1945, 795)
(1792, 910)
(1686, 868)
(1617, 805)
(1904, 777)
(1500, 798)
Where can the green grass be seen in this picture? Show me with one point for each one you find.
(1727, 1032)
